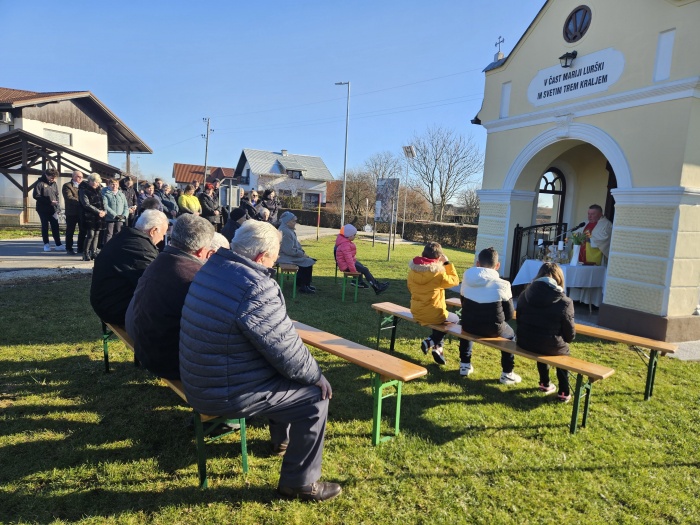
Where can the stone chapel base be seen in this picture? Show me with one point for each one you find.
(670, 329)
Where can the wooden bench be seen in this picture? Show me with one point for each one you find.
(201, 431)
(390, 313)
(635, 343)
(285, 270)
(388, 371)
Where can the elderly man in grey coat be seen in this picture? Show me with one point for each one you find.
(240, 356)
(291, 252)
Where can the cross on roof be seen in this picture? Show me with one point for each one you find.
(499, 42)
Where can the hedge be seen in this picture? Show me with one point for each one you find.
(452, 235)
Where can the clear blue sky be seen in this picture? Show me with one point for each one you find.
(264, 71)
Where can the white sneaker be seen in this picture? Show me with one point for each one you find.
(439, 355)
(47, 247)
(465, 369)
(61, 248)
(510, 379)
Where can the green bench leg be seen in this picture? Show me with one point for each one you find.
(106, 336)
(651, 374)
(294, 291)
(378, 386)
(581, 389)
(200, 432)
(383, 322)
(345, 281)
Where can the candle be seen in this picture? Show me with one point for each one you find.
(560, 246)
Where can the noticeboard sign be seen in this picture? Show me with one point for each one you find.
(387, 193)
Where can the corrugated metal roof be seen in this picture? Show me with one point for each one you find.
(190, 172)
(10, 96)
(263, 162)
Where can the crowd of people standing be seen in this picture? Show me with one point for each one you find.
(99, 209)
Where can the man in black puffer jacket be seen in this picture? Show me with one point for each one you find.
(240, 356)
(121, 263)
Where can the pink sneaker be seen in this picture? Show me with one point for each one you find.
(563, 398)
(547, 389)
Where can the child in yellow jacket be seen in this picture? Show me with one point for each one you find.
(428, 276)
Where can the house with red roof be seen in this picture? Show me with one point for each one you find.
(185, 174)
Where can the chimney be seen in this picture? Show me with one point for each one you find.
(284, 152)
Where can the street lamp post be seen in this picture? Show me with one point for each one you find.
(410, 153)
(345, 160)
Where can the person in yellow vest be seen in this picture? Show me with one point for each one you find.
(598, 231)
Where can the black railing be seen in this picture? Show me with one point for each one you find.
(526, 242)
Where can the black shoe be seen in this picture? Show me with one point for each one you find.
(380, 287)
(313, 288)
(69, 251)
(86, 257)
(319, 491)
(279, 450)
(222, 429)
(306, 290)
(218, 431)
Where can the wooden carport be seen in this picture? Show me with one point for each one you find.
(23, 154)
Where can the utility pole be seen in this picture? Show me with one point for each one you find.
(206, 147)
(410, 154)
(345, 160)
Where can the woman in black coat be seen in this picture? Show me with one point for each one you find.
(211, 209)
(546, 324)
(271, 202)
(90, 196)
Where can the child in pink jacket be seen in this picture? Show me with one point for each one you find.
(345, 251)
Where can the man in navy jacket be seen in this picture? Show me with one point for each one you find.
(240, 356)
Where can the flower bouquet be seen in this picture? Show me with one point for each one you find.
(578, 238)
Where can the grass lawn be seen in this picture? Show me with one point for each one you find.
(79, 445)
(18, 233)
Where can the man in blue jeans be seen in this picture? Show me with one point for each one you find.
(487, 303)
(47, 207)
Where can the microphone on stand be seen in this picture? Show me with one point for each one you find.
(571, 230)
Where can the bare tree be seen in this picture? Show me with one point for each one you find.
(469, 200)
(359, 187)
(384, 165)
(445, 163)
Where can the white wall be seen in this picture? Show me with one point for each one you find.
(86, 142)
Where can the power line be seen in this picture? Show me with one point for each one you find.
(331, 120)
(355, 95)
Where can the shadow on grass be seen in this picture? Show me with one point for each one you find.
(100, 503)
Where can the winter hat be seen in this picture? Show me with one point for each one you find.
(286, 217)
(348, 230)
(237, 214)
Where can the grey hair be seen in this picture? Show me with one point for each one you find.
(218, 241)
(150, 219)
(191, 233)
(94, 177)
(264, 213)
(254, 238)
